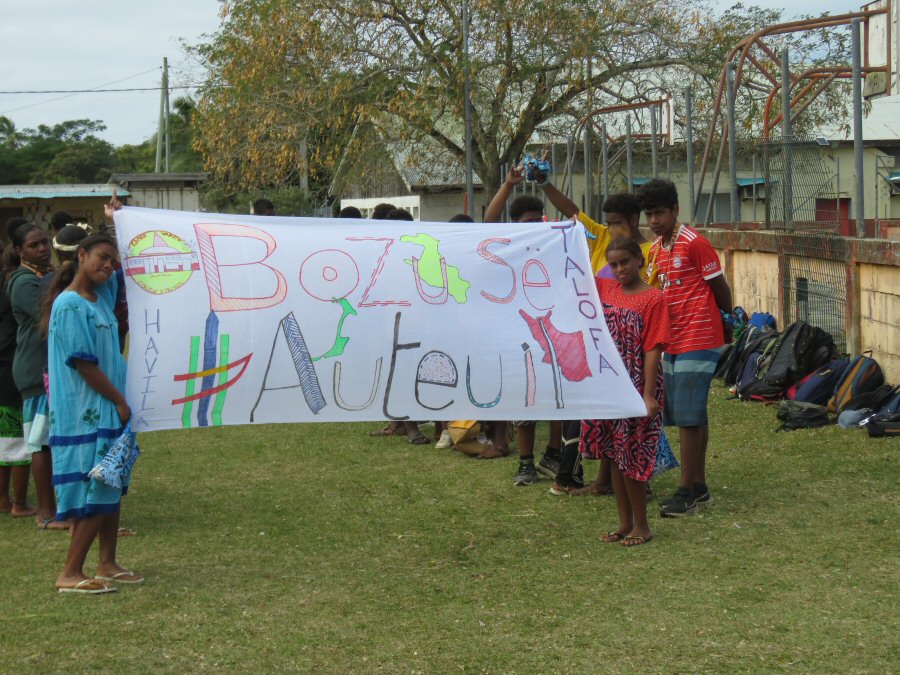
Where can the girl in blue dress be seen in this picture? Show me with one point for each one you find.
(87, 410)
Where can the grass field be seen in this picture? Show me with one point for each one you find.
(316, 548)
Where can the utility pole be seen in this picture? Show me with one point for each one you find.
(168, 135)
(162, 133)
(160, 128)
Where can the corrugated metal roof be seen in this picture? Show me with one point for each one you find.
(429, 166)
(59, 191)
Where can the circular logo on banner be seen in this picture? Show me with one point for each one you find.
(160, 262)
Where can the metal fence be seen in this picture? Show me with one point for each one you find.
(803, 202)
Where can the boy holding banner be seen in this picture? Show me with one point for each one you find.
(525, 209)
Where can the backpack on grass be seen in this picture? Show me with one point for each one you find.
(862, 375)
(751, 385)
(819, 386)
(751, 340)
(874, 400)
(801, 349)
(798, 415)
(884, 426)
(890, 404)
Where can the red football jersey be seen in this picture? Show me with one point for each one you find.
(684, 270)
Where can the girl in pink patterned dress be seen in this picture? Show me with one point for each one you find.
(638, 321)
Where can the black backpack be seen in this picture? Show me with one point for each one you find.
(751, 340)
(879, 400)
(884, 425)
(799, 415)
(800, 350)
(750, 385)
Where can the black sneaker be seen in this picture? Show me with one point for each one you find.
(549, 464)
(683, 503)
(526, 474)
(701, 495)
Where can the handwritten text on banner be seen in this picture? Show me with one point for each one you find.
(240, 319)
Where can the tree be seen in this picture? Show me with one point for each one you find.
(341, 77)
(142, 158)
(9, 137)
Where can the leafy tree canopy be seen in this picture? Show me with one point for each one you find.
(338, 77)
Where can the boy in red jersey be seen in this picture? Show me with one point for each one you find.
(691, 278)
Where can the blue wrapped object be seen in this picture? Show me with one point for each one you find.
(533, 165)
(665, 458)
(115, 467)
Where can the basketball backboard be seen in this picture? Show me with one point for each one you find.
(880, 49)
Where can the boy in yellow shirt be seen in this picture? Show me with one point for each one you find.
(622, 214)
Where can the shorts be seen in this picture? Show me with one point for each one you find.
(523, 424)
(687, 378)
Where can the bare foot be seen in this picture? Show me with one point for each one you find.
(22, 510)
(493, 452)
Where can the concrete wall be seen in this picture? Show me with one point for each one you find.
(755, 281)
(759, 264)
(880, 315)
(176, 199)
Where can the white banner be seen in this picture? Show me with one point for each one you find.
(242, 319)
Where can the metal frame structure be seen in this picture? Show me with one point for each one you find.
(661, 116)
(816, 79)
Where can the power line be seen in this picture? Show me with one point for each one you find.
(99, 91)
(60, 98)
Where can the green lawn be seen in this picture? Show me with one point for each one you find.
(316, 548)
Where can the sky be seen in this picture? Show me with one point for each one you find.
(61, 44)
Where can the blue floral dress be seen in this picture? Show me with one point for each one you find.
(83, 424)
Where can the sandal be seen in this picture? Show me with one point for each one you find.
(421, 439)
(611, 537)
(635, 540)
(48, 524)
(89, 586)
